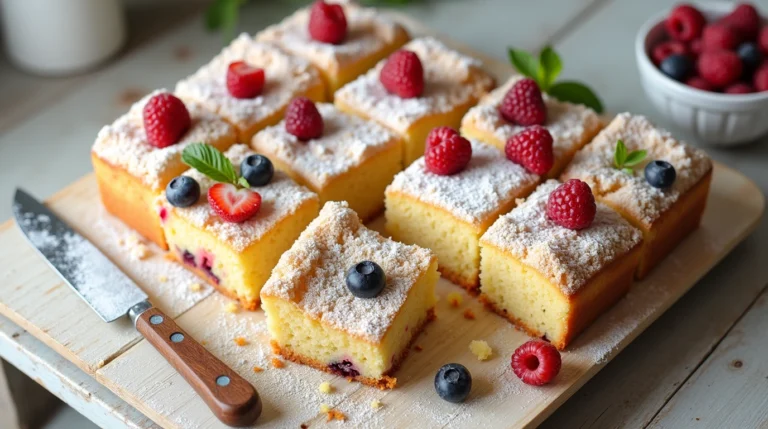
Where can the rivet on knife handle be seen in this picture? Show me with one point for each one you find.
(231, 398)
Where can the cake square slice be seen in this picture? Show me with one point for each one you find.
(354, 160)
(313, 317)
(237, 258)
(131, 173)
(448, 214)
(452, 84)
(371, 37)
(571, 125)
(285, 77)
(666, 216)
(552, 281)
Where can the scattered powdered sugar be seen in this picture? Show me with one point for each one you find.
(474, 194)
(346, 143)
(566, 257)
(285, 78)
(368, 32)
(571, 125)
(312, 273)
(594, 165)
(280, 198)
(124, 143)
(450, 79)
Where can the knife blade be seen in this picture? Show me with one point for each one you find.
(111, 294)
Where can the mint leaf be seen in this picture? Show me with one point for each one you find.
(634, 158)
(629, 171)
(224, 15)
(574, 92)
(620, 154)
(211, 162)
(524, 63)
(243, 182)
(550, 67)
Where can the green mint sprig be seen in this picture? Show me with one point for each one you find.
(624, 161)
(545, 71)
(211, 162)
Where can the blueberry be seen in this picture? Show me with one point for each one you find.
(366, 279)
(182, 191)
(257, 170)
(453, 382)
(660, 174)
(750, 55)
(677, 66)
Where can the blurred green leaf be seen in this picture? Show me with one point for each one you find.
(525, 63)
(575, 92)
(550, 67)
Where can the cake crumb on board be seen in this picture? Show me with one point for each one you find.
(469, 314)
(277, 363)
(455, 299)
(480, 349)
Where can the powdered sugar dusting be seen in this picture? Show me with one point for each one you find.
(488, 182)
(450, 79)
(281, 197)
(347, 142)
(368, 32)
(570, 124)
(124, 143)
(312, 273)
(566, 257)
(594, 165)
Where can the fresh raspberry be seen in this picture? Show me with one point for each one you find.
(685, 23)
(699, 82)
(739, 88)
(243, 80)
(449, 156)
(327, 23)
(437, 135)
(303, 120)
(532, 148)
(720, 36)
(745, 19)
(536, 362)
(166, 119)
(523, 104)
(403, 74)
(232, 204)
(695, 47)
(762, 40)
(665, 49)
(572, 205)
(720, 68)
(760, 80)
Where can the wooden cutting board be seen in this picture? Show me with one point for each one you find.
(115, 355)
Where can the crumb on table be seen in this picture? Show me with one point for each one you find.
(480, 349)
(376, 404)
(469, 314)
(418, 348)
(258, 369)
(231, 307)
(277, 363)
(163, 279)
(325, 387)
(240, 341)
(335, 415)
(455, 299)
(196, 287)
(324, 408)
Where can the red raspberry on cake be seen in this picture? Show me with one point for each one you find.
(720, 68)
(403, 74)
(720, 36)
(536, 362)
(699, 82)
(572, 205)
(166, 119)
(760, 80)
(449, 156)
(303, 120)
(327, 23)
(661, 51)
(532, 148)
(524, 105)
(437, 135)
(685, 23)
(243, 80)
(745, 19)
(232, 204)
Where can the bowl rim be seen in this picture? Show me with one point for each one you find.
(644, 61)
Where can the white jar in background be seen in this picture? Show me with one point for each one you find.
(57, 37)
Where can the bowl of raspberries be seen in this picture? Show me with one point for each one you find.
(705, 68)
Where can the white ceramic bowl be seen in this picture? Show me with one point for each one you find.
(713, 118)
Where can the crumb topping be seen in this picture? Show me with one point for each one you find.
(368, 31)
(312, 274)
(347, 142)
(594, 165)
(450, 79)
(124, 143)
(567, 122)
(475, 193)
(281, 197)
(567, 258)
(285, 77)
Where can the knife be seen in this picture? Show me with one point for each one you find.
(112, 295)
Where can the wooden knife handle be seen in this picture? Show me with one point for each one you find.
(231, 398)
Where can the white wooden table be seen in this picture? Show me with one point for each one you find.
(701, 365)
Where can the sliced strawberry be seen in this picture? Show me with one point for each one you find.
(244, 80)
(232, 204)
